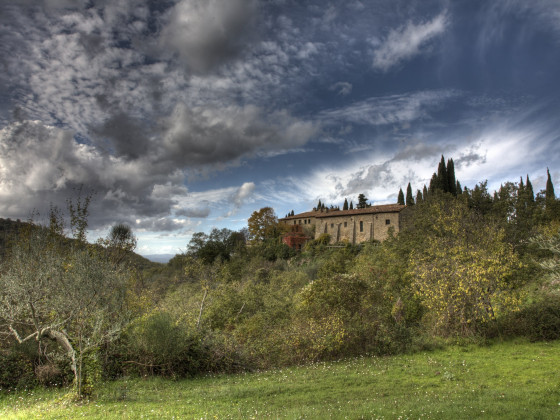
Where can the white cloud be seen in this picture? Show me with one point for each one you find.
(243, 193)
(342, 88)
(407, 41)
(390, 109)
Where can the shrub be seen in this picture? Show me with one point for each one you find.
(538, 321)
(16, 370)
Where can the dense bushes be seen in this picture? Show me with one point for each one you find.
(16, 370)
(537, 321)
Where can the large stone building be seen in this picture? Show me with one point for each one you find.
(353, 226)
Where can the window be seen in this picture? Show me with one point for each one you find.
(361, 226)
(387, 221)
(309, 221)
(332, 225)
(294, 222)
(345, 224)
(305, 222)
(300, 222)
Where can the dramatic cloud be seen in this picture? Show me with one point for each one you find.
(180, 114)
(407, 41)
(197, 213)
(221, 135)
(41, 165)
(206, 33)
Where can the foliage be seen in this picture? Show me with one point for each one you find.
(63, 291)
(409, 197)
(400, 197)
(16, 370)
(537, 321)
(462, 271)
(263, 224)
(362, 201)
(219, 244)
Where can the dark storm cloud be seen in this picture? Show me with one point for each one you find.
(468, 159)
(205, 135)
(128, 137)
(207, 33)
(41, 164)
(194, 212)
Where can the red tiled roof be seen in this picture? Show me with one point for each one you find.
(382, 208)
(303, 215)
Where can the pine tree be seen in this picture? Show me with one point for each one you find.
(458, 189)
(400, 198)
(409, 198)
(451, 181)
(362, 201)
(351, 205)
(345, 206)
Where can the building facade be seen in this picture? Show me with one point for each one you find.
(352, 226)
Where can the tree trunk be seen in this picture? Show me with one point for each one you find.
(62, 339)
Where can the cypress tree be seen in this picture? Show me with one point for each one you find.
(345, 206)
(351, 205)
(425, 193)
(419, 198)
(451, 181)
(433, 183)
(549, 192)
(529, 191)
(400, 198)
(319, 205)
(442, 176)
(409, 198)
(458, 189)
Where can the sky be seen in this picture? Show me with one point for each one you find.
(181, 116)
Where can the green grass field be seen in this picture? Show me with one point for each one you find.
(514, 380)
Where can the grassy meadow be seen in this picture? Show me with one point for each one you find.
(511, 380)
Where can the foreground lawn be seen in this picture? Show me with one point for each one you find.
(506, 380)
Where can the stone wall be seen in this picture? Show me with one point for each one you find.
(357, 228)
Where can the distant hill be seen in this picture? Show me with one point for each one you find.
(159, 258)
(9, 228)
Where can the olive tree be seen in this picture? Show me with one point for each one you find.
(64, 290)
